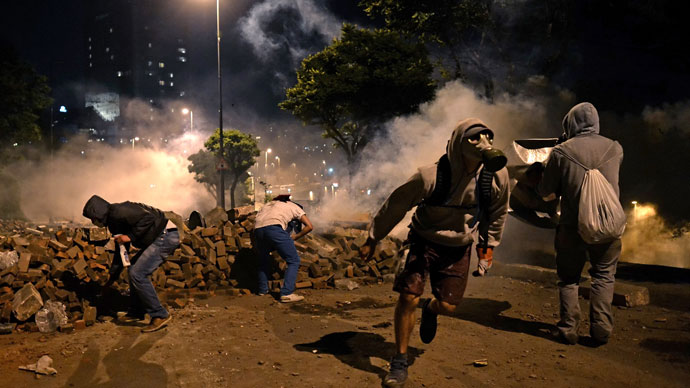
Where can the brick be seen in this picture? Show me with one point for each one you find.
(27, 301)
(73, 252)
(207, 232)
(79, 324)
(58, 246)
(66, 328)
(24, 260)
(90, 314)
(174, 283)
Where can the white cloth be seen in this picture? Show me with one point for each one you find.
(278, 213)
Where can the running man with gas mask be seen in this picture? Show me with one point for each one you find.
(465, 191)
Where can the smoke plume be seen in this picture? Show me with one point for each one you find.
(273, 26)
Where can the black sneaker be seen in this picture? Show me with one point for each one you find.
(427, 328)
(398, 373)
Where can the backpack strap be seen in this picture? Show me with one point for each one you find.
(483, 194)
(572, 158)
(440, 195)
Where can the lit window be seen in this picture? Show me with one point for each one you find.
(89, 47)
(182, 59)
(90, 56)
(89, 39)
(149, 44)
(112, 57)
(161, 65)
(150, 74)
(107, 49)
(151, 101)
(171, 84)
(162, 83)
(111, 30)
(182, 50)
(182, 93)
(171, 75)
(150, 63)
(119, 74)
(90, 64)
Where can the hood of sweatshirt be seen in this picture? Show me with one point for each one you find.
(96, 209)
(581, 119)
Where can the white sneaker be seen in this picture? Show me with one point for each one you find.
(291, 298)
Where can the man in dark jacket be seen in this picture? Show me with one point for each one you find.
(148, 229)
(564, 178)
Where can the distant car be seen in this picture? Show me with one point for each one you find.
(525, 157)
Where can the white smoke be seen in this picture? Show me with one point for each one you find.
(57, 189)
(420, 139)
(676, 115)
(313, 18)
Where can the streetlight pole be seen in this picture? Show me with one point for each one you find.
(221, 188)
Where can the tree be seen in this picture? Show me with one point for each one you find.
(359, 82)
(240, 151)
(451, 27)
(490, 44)
(24, 95)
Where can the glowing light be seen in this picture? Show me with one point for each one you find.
(311, 195)
(63, 109)
(185, 111)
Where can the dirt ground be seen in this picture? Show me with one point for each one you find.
(344, 338)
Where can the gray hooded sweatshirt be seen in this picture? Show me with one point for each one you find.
(454, 224)
(584, 144)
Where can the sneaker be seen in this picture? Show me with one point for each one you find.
(570, 338)
(291, 298)
(130, 318)
(157, 324)
(427, 328)
(593, 342)
(397, 375)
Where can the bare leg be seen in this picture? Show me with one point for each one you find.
(443, 308)
(404, 320)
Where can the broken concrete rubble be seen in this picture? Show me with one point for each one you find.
(27, 301)
(67, 264)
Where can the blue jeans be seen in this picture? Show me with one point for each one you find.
(143, 295)
(273, 237)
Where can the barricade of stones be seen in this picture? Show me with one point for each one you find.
(54, 263)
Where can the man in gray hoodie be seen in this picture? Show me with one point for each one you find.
(564, 178)
(441, 235)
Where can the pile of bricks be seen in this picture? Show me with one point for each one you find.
(64, 264)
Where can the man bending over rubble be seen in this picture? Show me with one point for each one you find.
(271, 233)
(148, 229)
(451, 197)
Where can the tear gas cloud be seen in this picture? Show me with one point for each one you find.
(420, 139)
(311, 19)
(649, 240)
(56, 188)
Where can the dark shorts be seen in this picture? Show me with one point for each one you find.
(448, 268)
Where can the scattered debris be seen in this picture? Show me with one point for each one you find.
(43, 366)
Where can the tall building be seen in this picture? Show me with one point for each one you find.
(136, 49)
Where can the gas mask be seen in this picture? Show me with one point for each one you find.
(479, 147)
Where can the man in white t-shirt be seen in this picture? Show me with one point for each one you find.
(270, 233)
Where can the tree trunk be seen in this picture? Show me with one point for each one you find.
(232, 191)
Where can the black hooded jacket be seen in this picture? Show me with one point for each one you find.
(141, 223)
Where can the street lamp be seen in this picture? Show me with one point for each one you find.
(191, 118)
(278, 159)
(133, 140)
(268, 151)
(221, 187)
